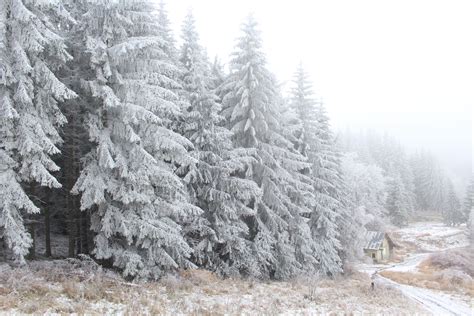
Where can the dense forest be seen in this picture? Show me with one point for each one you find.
(150, 158)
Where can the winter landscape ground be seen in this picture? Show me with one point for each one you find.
(83, 287)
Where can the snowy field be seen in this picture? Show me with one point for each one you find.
(82, 287)
(432, 236)
(76, 287)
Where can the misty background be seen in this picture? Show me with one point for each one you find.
(404, 67)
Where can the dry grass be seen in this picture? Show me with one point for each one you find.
(461, 259)
(451, 270)
(402, 249)
(83, 288)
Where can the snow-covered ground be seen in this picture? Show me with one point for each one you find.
(59, 287)
(428, 239)
(436, 302)
(431, 236)
(75, 286)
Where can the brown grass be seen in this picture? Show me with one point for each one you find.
(451, 271)
(66, 288)
(402, 249)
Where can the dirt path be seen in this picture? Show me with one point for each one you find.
(433, 302)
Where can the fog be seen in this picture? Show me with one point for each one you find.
(404, 67)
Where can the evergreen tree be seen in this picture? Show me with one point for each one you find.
(452, 214)
(429, 182)
(219, 236)
(31, 51)
(468, 204)
(396, 202)
(138, 203)
(332, 220)
(315, 141)
(367, 190)
(470, 225)
(251, 107)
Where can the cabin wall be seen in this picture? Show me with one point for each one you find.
(376, 255)
(385, 250)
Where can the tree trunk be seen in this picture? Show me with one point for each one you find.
(72, 238)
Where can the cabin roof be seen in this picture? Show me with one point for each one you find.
(374, 240)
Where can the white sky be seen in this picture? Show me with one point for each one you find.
(404, 66)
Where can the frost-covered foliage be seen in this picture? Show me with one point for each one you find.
(396, 202)
(452, 212)
(330, 214)
(31, 51)
(470, 225)
(218, 237)
(429, 182)
(424, 181)
(333, 219)
(468, 204)
(252, 107)
(367, 189)
(139, 204)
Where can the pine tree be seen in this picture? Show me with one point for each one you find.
(333, 221)
(396, 203)
(251, 107)
(429, 182)
(218, 237)
(314, 140)
(138, 203)
(468, 204)
(31, 51)
(470, 225)
(304, 106)
(452, 214)
(367, 190)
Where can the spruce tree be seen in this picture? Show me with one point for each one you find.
(429, 182)
(452, 212)
(335, 226)
(366, 185)
(138, 203)
(251, 107)
(396, 202)
(332, 220)
(468, 204)
(31, 52)
(219, 235)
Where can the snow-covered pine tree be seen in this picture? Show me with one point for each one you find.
(452, 211)
(219, 235)
(165, 32)
(400, 165)
(332, 220)
(367, 190)
(306, 134)
(470, 225)
(396, 203)
(218, 76)
(428, 182)
(251, 107)
(138, 203)
(31, 51)
(468, 203)
(304, 107)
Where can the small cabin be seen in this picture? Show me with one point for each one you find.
(378, 246)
